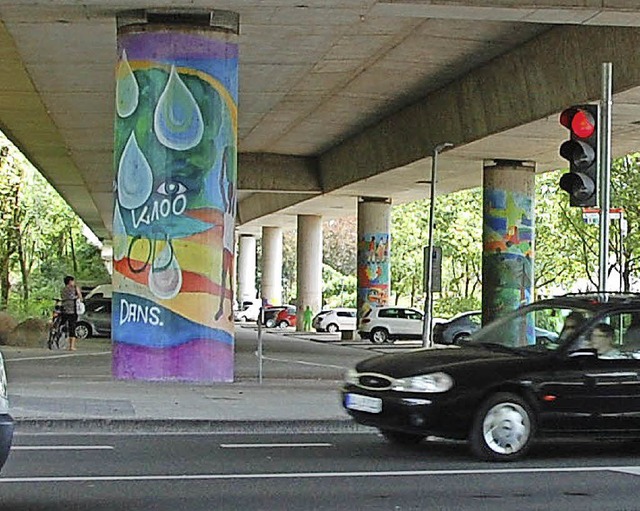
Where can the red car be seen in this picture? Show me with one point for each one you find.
(286, 317)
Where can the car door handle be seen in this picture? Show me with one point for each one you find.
(621, 374)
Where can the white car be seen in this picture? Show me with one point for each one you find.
(335, 320)
(6, 422)
(385, 324)
(250, 311)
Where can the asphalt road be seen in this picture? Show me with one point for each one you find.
(319, 472)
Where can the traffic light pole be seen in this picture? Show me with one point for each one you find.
(605, 174)
(427, 342)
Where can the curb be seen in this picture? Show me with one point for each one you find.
(141, 426)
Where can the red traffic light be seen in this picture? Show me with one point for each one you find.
(581, 122)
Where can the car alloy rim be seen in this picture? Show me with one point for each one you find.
(506, 428)
(379, 336)
(82, 332)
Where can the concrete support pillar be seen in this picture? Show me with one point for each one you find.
(374, 251)
(175, 201)
(271, 288)
(309, 268)
(246, 268)
(507, 237)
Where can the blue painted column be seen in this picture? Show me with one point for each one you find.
(507, 240)
(175, 196)
(374, 253)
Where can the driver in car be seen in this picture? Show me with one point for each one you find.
(602, 341)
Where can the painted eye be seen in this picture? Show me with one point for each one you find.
(171, 188)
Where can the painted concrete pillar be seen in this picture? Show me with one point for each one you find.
(309, 268)
(271, 288)
(507, 239)
(374, 251)
(175, 200)
(246, 268)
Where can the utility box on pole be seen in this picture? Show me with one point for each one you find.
(436, 277)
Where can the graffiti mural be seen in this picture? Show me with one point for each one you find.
(507, 253)
(373, 271)
(175, 203)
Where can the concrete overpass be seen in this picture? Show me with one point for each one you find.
(338, 99)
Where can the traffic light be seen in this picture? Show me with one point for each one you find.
(581, 182)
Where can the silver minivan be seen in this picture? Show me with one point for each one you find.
(6, 422)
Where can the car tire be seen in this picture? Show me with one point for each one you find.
(270, 323)
(83, 330)
(401, 438)
(332, 328)
(379, 336)
(461, 337)
(283, 324)
(503, 428)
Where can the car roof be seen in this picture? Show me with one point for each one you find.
(593, 301)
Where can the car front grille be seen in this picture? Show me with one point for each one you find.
(374, 381)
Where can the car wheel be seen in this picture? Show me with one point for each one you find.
(401, 438)
(82, 331)
(270, 323)
(503, 428)
(379, 336)
(461, 337)
(283, 324)
(332, 328)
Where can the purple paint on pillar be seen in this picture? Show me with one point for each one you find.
(199, 360)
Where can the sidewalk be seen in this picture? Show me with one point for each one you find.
(59, 390)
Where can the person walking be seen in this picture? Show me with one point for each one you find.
(307, 317)
(70, 295)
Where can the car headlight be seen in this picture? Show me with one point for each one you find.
(427, 383)
(351, 377)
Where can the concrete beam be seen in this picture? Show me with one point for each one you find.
(265, 172)
(559, 68)
(262, 204)
(566, 12)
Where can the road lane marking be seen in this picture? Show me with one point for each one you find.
(62, 448)
(252, 446)
(301, 362)
(307, 475)
(50, 357)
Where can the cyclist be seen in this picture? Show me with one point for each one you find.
(70, 295)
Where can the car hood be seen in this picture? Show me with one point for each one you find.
(431, 360)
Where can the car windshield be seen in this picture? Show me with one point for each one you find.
(539, 328)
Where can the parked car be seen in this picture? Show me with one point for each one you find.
(271, 313)
(508, 385)
(250, 311)
(286, 317)
(103, 290)
(334, 320)
(6, 421)
(459, 328)
(96, 319)
(385, 324)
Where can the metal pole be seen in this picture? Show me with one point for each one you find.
(605, 174)
(428, 302)
(260, 321)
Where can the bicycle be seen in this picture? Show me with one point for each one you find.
(58, 329)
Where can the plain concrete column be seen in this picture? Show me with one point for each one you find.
(309, 266)
(246, 268)
(175, 154)
(374, 251)
(272, 265)
(507, 238)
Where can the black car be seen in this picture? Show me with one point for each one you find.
(508, 385)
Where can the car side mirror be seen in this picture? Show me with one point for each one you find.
(584, 352)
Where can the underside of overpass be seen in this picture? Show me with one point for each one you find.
(337, 98)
